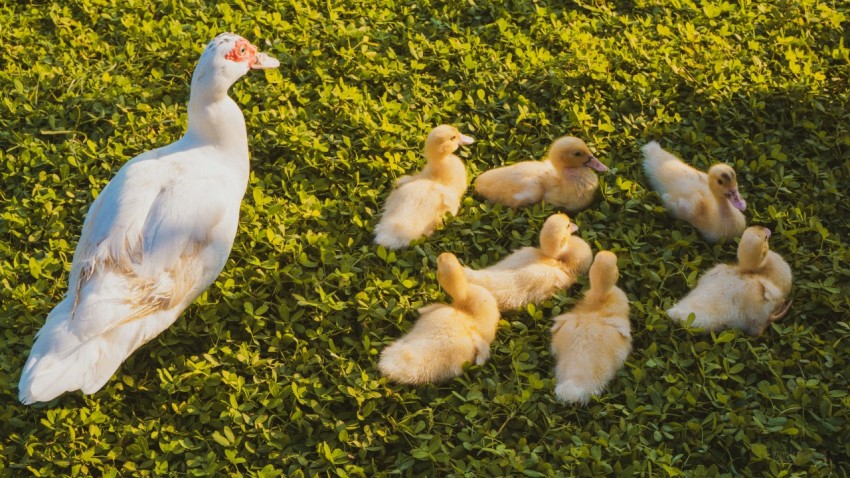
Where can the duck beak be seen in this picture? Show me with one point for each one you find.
(735, 198)
(466, 140)
(573, 228)
(263, 61)
(594, 163)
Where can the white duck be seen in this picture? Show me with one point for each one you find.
(445, 336)
(531, 274)
(749, 295)
(593, 340)
(417, 205)
(565, 178)
(154, 239)
(710, 202)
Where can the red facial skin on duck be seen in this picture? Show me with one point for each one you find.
(243, 50)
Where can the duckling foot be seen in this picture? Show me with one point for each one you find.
(776, 315)
(780, 312)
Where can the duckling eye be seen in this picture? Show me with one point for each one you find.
(577, 153)
(720, 182)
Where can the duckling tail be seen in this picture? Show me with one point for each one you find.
(396, 234)
(570, 391)
(417, 363)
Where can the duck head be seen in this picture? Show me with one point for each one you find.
(555, 235)
(752, 250)
(227, 58)
(443, 141)
(572, 152)
(723, 183)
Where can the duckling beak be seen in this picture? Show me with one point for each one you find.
(263, 61)
(735, 198)
(767, 233)
(466, 140)
(573, 228)
(594, 163)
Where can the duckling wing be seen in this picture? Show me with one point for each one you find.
(713, 301)
(520, 279)
(515, 185)
(759, 299)
(403, 180)
(619, 324)
(482, 349)
(414, 210)
(682, 188)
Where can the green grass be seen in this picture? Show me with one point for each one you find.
(273, 371)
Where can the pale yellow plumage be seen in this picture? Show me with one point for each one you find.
(564, 178)
(710, 202)
(417, 205)
(592, 341)
(749, 295)
(445, 337)
(531, 275)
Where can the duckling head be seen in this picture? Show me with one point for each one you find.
(722, 182)
(443, 141)
(752, 250)
(555, 234)
(451, 277)
(571, 152)
(603, 273)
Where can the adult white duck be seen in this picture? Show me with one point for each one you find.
(154, 239)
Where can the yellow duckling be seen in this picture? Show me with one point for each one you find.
(593, 340)
(531, 274)
(446, 336)
(417, 205)
(750, 295)
(564, 178)
(710, 202)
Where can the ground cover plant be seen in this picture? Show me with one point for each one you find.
(273, 371)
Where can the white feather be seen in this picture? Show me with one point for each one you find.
(155, 238)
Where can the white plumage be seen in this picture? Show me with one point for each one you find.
(156, 237)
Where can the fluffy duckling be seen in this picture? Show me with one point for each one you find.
(417, 205)
(531, 274)
(564, 178)
(750, 295)
(445, 336)
(593, 340)
(710, 202)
